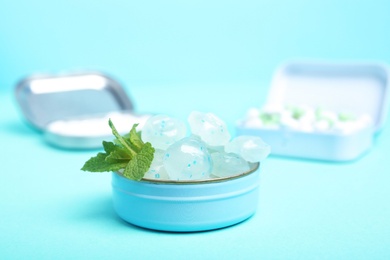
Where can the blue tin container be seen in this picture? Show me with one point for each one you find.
(186, 206)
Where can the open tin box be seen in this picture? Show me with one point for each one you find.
(359, 88)
(73, 110)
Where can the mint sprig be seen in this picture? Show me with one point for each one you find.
(128, 153)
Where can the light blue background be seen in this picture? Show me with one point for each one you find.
(174, 57)
(180, 42)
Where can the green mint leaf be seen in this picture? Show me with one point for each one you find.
(115, 153)
(109, 146)
(135, 138)
(119, 155)
(100, 164)
(140, 163)
(120, 139)
(125, 152)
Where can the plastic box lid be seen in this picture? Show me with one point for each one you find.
(354, 87)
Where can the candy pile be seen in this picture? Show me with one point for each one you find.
(208, 152)
(306, 119)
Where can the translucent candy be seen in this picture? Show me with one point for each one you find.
(209, 128)
(228, 164)
(214, 149)
(162, 131)
(188, 159)
(157, 170)
(250, 148)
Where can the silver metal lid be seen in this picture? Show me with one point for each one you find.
(72, 110)
(44, 99)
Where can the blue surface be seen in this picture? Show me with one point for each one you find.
(175, 57)
(307, 209)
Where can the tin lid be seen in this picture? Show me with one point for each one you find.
(44, 99)
(358, 88)
(72, 110)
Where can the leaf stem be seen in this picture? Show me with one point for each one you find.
(120, 138)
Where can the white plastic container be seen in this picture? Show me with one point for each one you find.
(360, 88)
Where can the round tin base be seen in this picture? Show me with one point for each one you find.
(186, 206)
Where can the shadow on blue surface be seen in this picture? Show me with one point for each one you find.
(19, 128)
(96, 209)
(100, 209)
(178, 233)
(316, 161)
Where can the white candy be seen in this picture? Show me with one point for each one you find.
(305, 119)
(162, 131)
(228, 164)
(254, 123)
(252, 113)
(250, 148)
(322, 125)
(209, 128)
(187, 159)
(353, 125)
(309, 116)
(298, 118)
(288, 121)
(345, 127)
(306, 127)
(157, 170)
(328, 115)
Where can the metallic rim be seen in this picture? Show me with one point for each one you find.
(254, 167)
